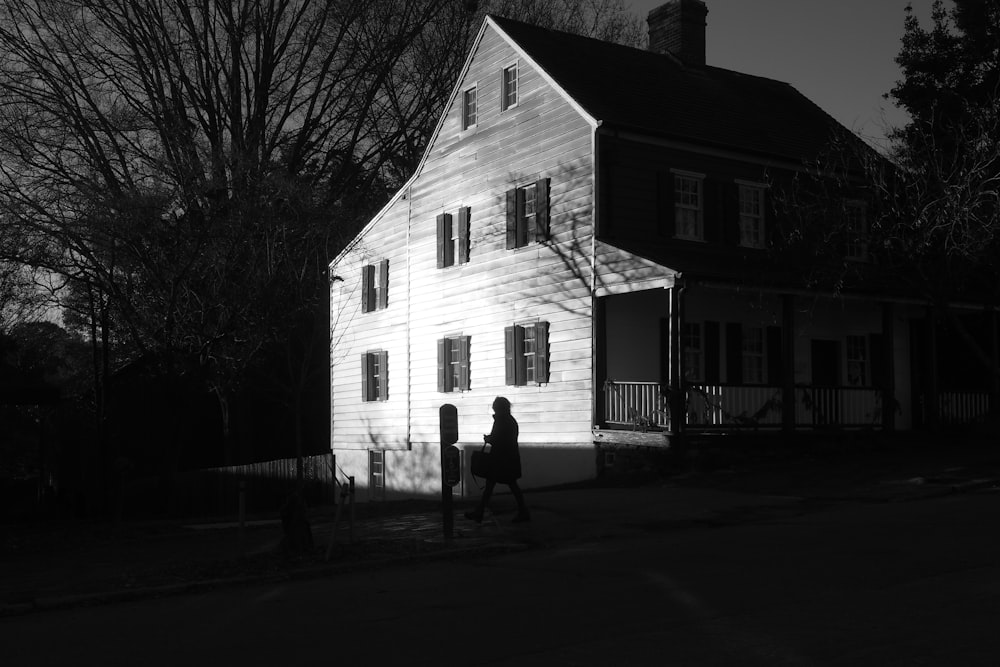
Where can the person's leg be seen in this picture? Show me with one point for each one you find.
(477, 514)
(522, 508)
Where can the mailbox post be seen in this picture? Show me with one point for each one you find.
(451, 468)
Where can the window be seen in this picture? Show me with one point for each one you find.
(508, 97)
(753, 355)
(453, 364)
(688, 207)
(469, 108)
(857, 231)
(528, 214)
(453, 238)
(375, 286)
(526, 353)
(691, 340)
(375, 376)
(857, 358)
(376, 474)
(751, 202)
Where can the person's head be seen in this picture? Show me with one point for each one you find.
(501, 406)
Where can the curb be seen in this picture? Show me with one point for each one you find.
(52, 603)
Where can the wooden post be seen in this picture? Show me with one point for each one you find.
(889, 381)
(788, 363)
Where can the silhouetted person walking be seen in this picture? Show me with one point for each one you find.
(505, 461)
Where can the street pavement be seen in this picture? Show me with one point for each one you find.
(51, 567)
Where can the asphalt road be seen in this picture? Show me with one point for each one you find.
(910, 583)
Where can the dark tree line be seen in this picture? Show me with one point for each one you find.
(185, 170)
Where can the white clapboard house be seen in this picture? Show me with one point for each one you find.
(588, 235)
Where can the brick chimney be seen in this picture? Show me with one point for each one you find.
(678, 28)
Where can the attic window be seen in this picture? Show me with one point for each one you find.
(508, 96)
(469, 108)
(857, 231)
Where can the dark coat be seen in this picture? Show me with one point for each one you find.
(505, 460)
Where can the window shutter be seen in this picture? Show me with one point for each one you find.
(715, 213)
(444, 376)
(712, 352)
(364, 376)
(463, 363)
(512, 219)
(730, 223)
(449, 247)
(734, 353)
(542, 352)
(520, 366)
(878, 368)
(463, 235)
(367, 288)
(520, 230)
(510, 365)
(383, 364)
(775, 361)
(665, 204)
(440, 241)
(542, 209)
(383, 283)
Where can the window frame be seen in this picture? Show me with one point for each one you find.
(453, 237)
(507, 89)
(852, 343)
(453, 353)
(856, 243)
(519, 360)
(753, 358)
(693, 357)
(374, 376)
(375, 286)
(679, 177)
(376, 480)
(470, 107)
(760, 240)
(524, 227)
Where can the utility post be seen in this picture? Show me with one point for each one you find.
(451, 468)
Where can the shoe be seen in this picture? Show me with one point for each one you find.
(474, 516)
(521, 517)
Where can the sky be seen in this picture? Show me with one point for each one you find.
(838, 53)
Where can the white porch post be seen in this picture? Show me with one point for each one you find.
(675, 373)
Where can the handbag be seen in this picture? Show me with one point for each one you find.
(480, 463)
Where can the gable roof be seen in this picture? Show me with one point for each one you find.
(654, 94)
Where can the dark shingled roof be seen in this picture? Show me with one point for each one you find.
(633, 89)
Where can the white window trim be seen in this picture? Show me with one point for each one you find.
(701, 205)
(503, 85)
(763, 187)
(462, 112)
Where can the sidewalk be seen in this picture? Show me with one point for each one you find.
(60, 566)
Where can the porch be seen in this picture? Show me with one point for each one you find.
(645, 407)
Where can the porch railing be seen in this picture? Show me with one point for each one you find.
(963, 407)
(637, 404)
(645, 405)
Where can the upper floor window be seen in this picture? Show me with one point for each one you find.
(857, 358)
(526, 353)
(508, 94)
(528, 214)
(453, 238)
(751, 203)
(375, 286)
(688, 206)
(375, 376)
(856, 226)
(469, 108)
(453, 363)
